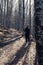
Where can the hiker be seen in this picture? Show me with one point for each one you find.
(27, 33)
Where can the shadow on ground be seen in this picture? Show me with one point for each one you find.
(9, 42)
(20, 53)
(24, 62)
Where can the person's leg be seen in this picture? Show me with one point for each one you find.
(28, 38)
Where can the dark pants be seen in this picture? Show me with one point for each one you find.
(26, 38)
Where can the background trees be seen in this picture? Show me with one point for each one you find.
(16, 14)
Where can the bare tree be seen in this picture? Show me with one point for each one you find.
(9, 12)
(21, 14)
(0, 12)
(38, 31)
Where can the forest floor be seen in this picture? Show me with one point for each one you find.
(8, 34)
(18, 53)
